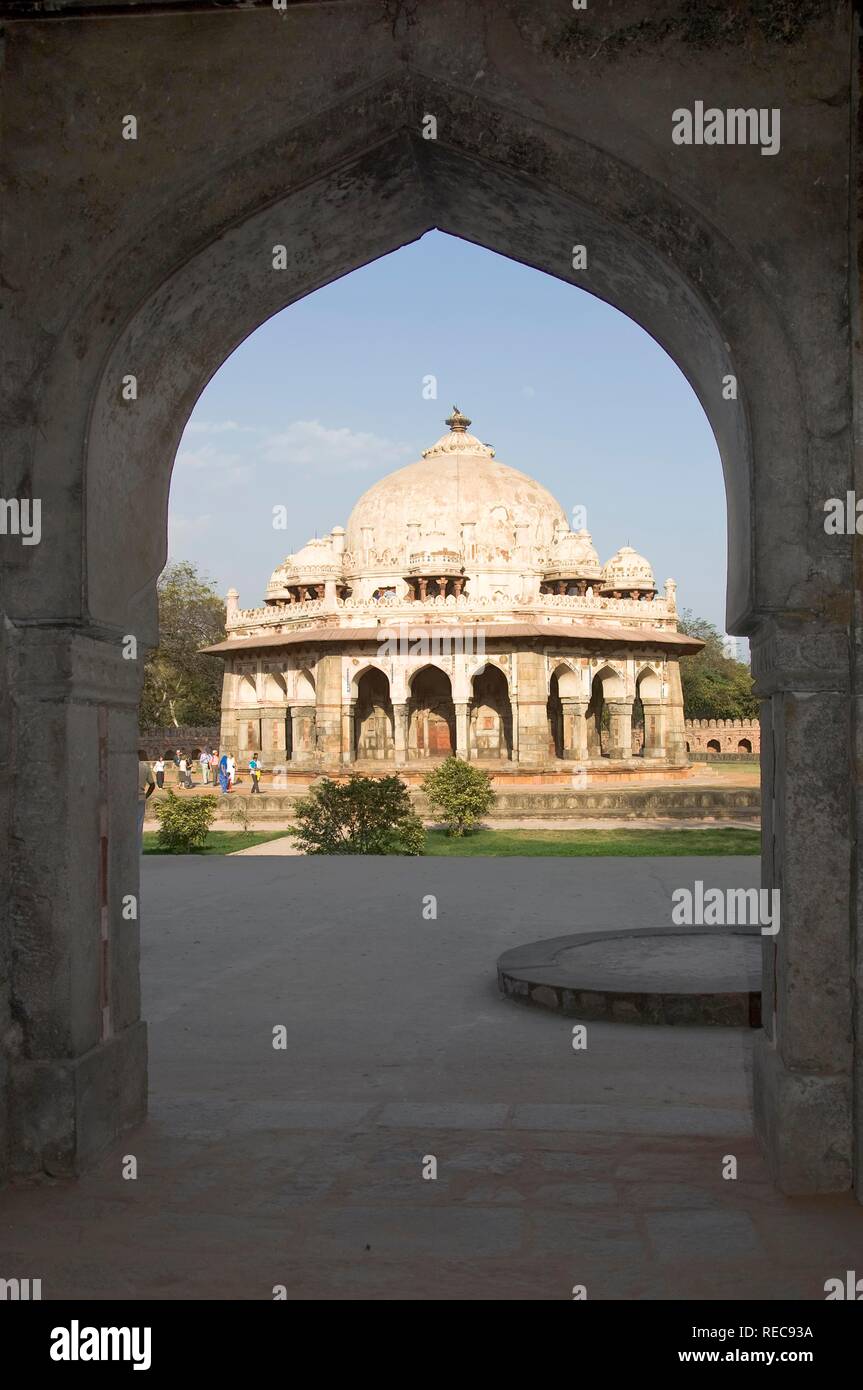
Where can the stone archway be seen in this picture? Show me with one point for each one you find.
(170, 263)
(373, 717)
(431, 714)
(490, 715)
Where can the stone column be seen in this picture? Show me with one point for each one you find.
(349, 732)
(574, 728)
(303, 732)
(675, 724)
(532, 708)
(620, 728)
(73, 1065)
(803, 1069)
(400, 733)
(462, 731)
(654, 729)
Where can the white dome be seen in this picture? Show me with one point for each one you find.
(573, 555)
(627, 570)
(457, 500)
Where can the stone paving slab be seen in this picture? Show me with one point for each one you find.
(259, 1167)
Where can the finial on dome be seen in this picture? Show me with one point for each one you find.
(457, 422)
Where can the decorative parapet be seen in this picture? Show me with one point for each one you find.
(277, 615)
(723, 724)
(722, 736)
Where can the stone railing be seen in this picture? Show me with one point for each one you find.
(275, 615)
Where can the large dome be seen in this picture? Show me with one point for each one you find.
(457, 498)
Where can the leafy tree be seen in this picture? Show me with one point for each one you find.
(365, 815)
(459, 793)
(180, 685)
(184, 823)
(715, 686)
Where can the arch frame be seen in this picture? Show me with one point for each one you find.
(524, 165)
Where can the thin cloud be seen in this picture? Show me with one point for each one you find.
(309, 444)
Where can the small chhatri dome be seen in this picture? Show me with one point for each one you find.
(627, 570)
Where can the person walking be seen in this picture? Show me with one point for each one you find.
(146, 787)
(204, 760)
(232, 772)
(255, 773)
(224, 780)
(214, 766)
(185, 777)
(159, 769)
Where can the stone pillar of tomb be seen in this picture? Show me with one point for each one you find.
(349, 733)
(303, 734)
(530, 710)
(328, 709)
(272, 735)
(675, 725)
(400, 732)
(423, 585)
(574, 728)
(620, 728)
(654, 729)
(462, 726)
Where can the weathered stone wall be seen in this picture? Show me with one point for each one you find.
(729, 734)
(154, 258)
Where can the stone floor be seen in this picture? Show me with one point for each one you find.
(302, 1167)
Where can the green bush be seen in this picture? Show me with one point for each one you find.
(459, 793)
(365, 815)
(184, 824)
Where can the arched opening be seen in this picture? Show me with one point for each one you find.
(490, 715)
(566, 708)
(648, 740)
(431, 715)
(744, 746)
(358, 183)
(608, 718)
(373, 718)
(713, 745)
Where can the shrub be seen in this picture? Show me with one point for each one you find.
(365, 815)
(184, 824)
(459, 793)
(239, 811)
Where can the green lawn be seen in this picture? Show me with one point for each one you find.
(218, 841)
(596, 842)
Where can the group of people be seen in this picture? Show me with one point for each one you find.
(221, 770)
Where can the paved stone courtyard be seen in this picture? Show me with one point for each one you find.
(303, 1166)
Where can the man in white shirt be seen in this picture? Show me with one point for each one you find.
(204, 760)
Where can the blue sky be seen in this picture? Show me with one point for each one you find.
(326, 397)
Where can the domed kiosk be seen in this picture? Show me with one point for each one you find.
(457, 613)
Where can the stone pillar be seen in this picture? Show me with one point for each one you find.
(328, 707)
(574, 728)
(654, 729)
(400, 733)
(74, 1049)
(303, 734)
(532, 708)
(620, 728)
(803, 1069)
(675, 724)
(462, 731)
(349, 732)
(273, 735)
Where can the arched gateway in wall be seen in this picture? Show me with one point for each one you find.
(546, 141)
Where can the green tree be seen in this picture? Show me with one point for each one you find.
(180, 685)
(184, 824)
(715, 686)
(459, 793)
(365, 815)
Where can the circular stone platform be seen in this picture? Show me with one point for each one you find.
(678, 976)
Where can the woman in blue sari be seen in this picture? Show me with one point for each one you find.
(223, 772)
